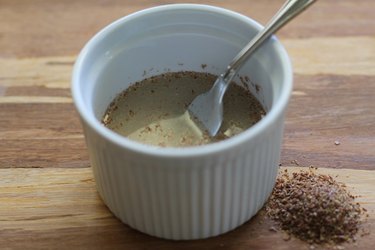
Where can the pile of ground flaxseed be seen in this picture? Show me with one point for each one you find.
(314, 207)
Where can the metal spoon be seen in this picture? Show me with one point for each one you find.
(207, 108)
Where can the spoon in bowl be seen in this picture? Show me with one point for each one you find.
(207, 108)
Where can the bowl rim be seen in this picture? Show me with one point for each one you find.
(174, 152)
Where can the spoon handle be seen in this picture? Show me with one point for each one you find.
(288, 11)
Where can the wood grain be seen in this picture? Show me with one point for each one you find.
(61, 208)
(336, 100)
(47, 192)
(329, 108)
(335, 55)
(44, 28)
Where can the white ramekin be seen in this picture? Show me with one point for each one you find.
(181, 193)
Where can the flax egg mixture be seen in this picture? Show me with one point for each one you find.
(154, 110)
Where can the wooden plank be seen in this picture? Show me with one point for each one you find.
(337, 104)
(41, 135)
(47, 72)
(44, 153)
(45, 28)
(332, 56)
(329, 108)
(60, 208)
(35, 99)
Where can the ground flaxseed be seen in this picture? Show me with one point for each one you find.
(314, 207)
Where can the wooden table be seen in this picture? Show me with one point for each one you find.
(47, 192)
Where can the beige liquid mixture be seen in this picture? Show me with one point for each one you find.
(153, 111)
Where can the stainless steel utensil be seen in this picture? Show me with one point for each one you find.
(208, 107)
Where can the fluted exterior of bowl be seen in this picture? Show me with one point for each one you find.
(186, 198)
(190, 193)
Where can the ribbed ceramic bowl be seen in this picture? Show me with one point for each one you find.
(181, 193)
